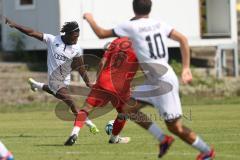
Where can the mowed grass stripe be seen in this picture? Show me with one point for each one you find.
(40, 135)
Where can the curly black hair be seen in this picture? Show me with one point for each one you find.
(69, 27)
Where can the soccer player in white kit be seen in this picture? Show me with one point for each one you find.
(63, 51)
(149, 40)
(4, 153)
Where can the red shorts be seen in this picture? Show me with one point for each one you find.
(99, 97)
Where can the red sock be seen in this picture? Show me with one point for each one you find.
(80, 119)
(118, 126)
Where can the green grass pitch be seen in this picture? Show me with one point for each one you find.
(39, 135)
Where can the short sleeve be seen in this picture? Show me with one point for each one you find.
(79, 52)
(48, 37)
(122, 30)
(167, 29)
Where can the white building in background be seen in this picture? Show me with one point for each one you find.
(204, 22)
(1, 12)
(1, 6)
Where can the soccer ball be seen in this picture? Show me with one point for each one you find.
(109, 127)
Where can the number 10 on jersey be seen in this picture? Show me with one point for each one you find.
(154, 41)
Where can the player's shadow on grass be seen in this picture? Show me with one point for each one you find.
(62, 111)
(49, 145)
(62, 145)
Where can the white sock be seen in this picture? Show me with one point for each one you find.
(75, 130)
(39, 85)
(156, 132)
(114, 138)
(200, 145)
(89, 123)
(3, 150)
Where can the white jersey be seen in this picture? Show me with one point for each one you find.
(149, 40)
(161, 87)
(60, 58)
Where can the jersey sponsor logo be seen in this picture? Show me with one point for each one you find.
(60, 57)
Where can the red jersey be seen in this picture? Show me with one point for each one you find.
(120, 68)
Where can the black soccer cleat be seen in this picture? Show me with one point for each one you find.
(165, 145)
(71, 140)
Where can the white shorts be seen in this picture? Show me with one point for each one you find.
(55, 85)
(165, 99)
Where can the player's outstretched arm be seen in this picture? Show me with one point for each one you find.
(185, 51)
(99, 31)
(26, 30)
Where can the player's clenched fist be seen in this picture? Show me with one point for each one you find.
(10, 23)
(87, 16)
(186, 76)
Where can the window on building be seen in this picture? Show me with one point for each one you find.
(25, 4)
(215, 18)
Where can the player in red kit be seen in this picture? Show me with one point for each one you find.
(117, 69)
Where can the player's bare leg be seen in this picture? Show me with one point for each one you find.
(47, 89)
(191, 138)
(132, 109)
(63, 95)
(181, 131)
